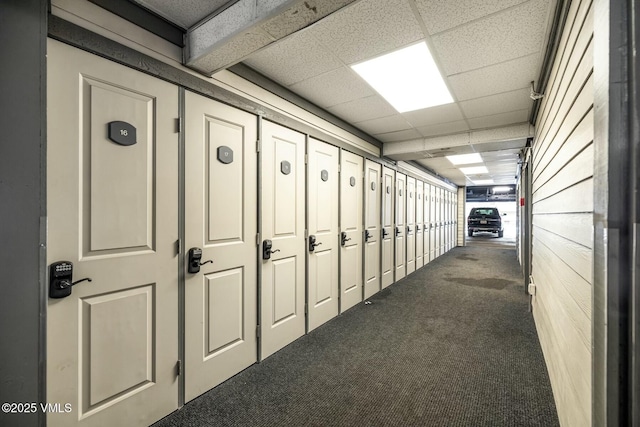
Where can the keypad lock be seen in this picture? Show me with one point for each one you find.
(195, 260)
(61, 279)
(312, 243)
(267, 250)
(343, 238)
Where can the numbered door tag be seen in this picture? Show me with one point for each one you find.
(122, 133)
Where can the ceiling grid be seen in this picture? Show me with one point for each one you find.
(488, 51)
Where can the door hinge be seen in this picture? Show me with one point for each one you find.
(306, 309)
(178, 247)
(258, 331)
(179, 367)
(339, 168)
(178, 125)
(258, 146)
(306, 234)
(258, 239)
(306, 159)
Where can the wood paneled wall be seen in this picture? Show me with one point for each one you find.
(562, 241)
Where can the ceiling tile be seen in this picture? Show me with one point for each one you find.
(384, 124)
(185, 14)
(503, 119)
(442, 15)
(503, 77)
(359, 110)
(368, 28)
(443, 128)
(333, 88)
(293, 59)
(495, 104)
(510, 34)
(430, 116)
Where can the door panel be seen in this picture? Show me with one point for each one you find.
(282, 290)
(388, 226)
(400, 232)
(112, 344)
(427, 222)
(449, 220)
(322, 190)
(419, 224)
(351, 173)
(433, 230)
(221, 219)
(438, 218)
(372, 220)
(411, 225)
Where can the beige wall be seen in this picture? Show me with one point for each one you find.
(562, 252)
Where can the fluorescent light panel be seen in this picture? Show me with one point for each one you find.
(465, 159)
(474, 170)
(483, 182)
(501, 189)
(407, 78)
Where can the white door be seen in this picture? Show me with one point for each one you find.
(372, 207)
(445, 221)
(388, 226)
(450, 220)
(455, 220)
(433, 229)
(442, 210)
(427, 222)
(322, 247)
(351, 174)
(419, 222)
(282, 285)
(112, 202)
(400, 232)
(221, 223)
(438, 221)
(411, 225)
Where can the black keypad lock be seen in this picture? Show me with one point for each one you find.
(61, 279)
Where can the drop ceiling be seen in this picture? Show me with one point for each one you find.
(489, 52)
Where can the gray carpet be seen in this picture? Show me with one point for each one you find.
(451, 345)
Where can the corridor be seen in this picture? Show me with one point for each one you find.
(439, 348)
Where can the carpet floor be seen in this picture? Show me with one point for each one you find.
(453, 344)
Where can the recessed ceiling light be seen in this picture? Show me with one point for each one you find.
(483, 182)
(465, 159)
(474, 170)
(407, 78)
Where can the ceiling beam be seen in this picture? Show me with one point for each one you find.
(247, 26)
(417, 148)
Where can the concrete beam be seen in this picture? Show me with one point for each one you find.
(249, 25)
(416, 148)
